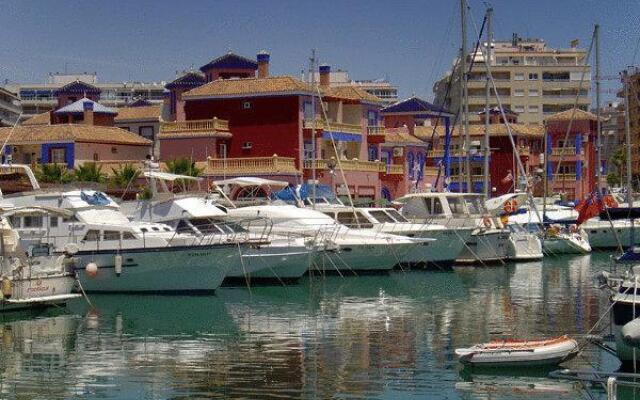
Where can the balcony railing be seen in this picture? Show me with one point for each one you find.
(195, 126)
(375, 130)
(463, 178)
(251, 166)
(393, 169)
(430, 171)
(347, 165)
(440, 153)
(563, 151)
(564, 177)
(333, 126)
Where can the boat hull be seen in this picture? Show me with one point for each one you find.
(565, 245)
(524, 247)
(40, 291)
(270, 264)
(440, 253)
(485, 247)
(158, 270)
(359, 258)
(552, 354)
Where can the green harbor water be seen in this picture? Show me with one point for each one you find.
(369, 337)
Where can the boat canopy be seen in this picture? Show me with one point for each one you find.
(166, 176)
(252, 181)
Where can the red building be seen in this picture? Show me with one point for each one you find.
(572, 153)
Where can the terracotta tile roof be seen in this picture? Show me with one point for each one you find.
(141, 113)
(71, 133)
(249, 87)
(39, 119)
(573, 113)
(401, 136)
(352, 93)
(424, 132)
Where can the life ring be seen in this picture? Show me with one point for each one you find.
(510, 206)
(487, 222)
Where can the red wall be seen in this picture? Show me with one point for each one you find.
(500, 163)
(271, 124)
(198, 148)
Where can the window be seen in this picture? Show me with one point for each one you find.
(58, 155)
(92, 236)
(308, 150)
(53, 222)
(128, 236)
(246, 105)
(144, 230)
(410, 164)
(126, 128)
(533, 76)
(381, 216)
(518, 92)
(396, 215)
(534, 92)
(308, 111)
(146, 132)
(32, 221)
(534, 108)
(518, 109)
(96, 157)
(519, 76)
(456, 205)
(111, 235)
(14, 221)
(434, 206)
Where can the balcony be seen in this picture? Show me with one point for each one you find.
(200, 127)
(563, 151)
(375, 130)
(440, 153)
(251, 166)
(393, 169)
(524, 151)
(347, 165)
(463, 178)
(333, 127)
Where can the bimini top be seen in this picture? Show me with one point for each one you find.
(166, 176)
(252, 181)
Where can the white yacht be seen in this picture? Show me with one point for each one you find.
(345, 250)
(488, 242)
(115, 254)
(30, 274)
(440, 252)
(263, 256)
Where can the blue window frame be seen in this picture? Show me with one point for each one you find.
(410, 164)
(373, 153)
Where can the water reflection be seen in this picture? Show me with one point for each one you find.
(366, 337)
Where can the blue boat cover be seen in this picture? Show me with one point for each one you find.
(95, 199)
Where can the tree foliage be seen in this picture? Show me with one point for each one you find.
(53, 173)
(89, 172)
(184, 166)
(125, 175)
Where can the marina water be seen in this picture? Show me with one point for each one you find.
(373, 337)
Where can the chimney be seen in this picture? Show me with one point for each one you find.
(87, 108)
(325, 73)
(263, 64)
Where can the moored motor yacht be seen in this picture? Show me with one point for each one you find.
(488, 242)
(263, 255)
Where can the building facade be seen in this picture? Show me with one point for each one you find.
(37, 98)
(531, 79)
(381, 87)
(10, 108)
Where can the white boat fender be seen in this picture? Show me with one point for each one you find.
(118, 264)
(91, 270)
(631, 332)
(7, 288)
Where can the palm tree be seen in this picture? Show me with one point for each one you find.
(184, 166)
(90, 172)
(53, 173)
(125, 175)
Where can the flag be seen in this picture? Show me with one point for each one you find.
(593, 205)
(508, 178)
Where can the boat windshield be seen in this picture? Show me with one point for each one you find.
(354, 219)
(396, 215)
(475, 205)
(456, 204)
(381, 216)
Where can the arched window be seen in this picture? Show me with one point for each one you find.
(373, 153)
(410, 164)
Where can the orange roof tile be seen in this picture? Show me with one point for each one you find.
(250, 86)
(401, 136)
(71, 133)
(537, 130)
(352, 93)
(39, 119)
(142, 113)
(573, 113)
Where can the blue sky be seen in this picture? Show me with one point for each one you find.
(410, 42)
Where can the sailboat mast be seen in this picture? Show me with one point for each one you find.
(627, 134)
(545, 180)
(312, 70)
(487, 150)
(599, 125)
(465, 95)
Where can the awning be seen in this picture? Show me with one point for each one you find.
(252, 181)
(166, 176)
